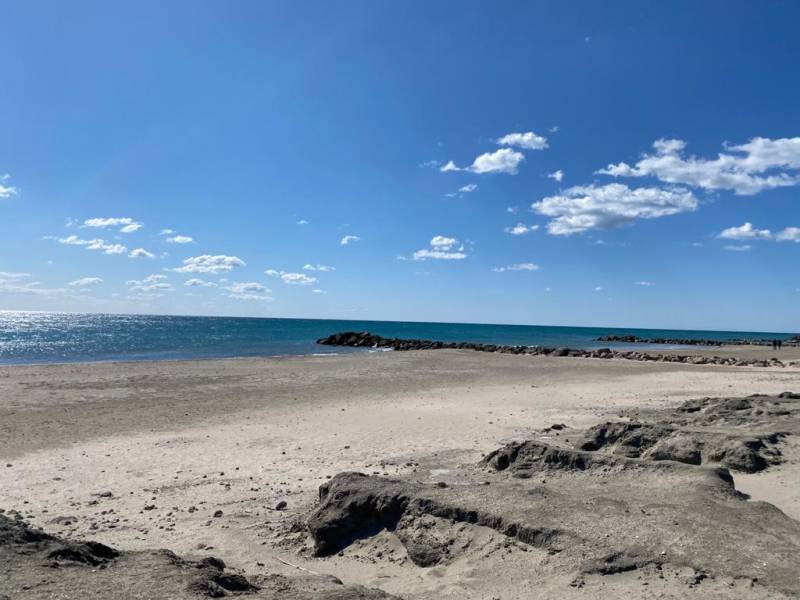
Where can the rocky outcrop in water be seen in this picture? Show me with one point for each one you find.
(364, 339)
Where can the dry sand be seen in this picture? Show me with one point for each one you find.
(142, 455)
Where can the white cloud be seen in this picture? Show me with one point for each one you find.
(517, 267)
(93, 244)
(141, 253)
(599, 288)
(126, 224)
(739, 248)
(15, 286)
(6, 191)
(194, 282)
(7, 275)
(504, 160)
(318, 291)
(470, 187)
(644, 283)
(438, 255)
(251, 290)
(348, 239)
(746, 169)
(302, 222)
(166, 232)
(442, 248)
(443, 243)
(430, 164)
(512, 210)
(180, 239)
(449, 166)
(85, 281)
(527, 140)
(210, 264)
(745, 232)
(150, 284)
(251, 297)
(582, 208)
(557, 175)
(521, 229)
(249, 287)
(321, 268)
(291, 278)
(790, 234)
(750, 232)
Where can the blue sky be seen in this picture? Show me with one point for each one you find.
(619, 163)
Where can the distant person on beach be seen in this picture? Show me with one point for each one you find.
(774, 344)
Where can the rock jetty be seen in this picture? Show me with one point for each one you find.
(364, 339)
(635, 339)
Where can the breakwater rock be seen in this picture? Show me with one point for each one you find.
(364, 339)
(635, 339)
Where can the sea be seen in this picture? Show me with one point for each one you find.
(44, 337)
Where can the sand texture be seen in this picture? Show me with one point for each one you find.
(419, 474)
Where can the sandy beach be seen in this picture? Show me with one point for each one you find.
(143, 455)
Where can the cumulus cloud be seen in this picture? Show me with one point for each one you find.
(790, 234)
(521, 229)
(644, 283)
(5, 190)
(249, 287)
(140, 253)
(252, 297)
(737, 248)
(302, 222)
(527, 140)
(349, 239)
(442, 248)
(745, 169)
(93, 244)
(748, 231)
(449, 166)
(208, 263)
(150, 284)
(745, 232)
(195, 282)
(470, 187)
(517, 267)
(251, 290)
(126, 224)
(504, 160)
(582, 208)
(8, 275)
(321, 268)
(557, 175)
(179, 239)
(442, 242)
(318, 291)
(291, 278)
(86, 281)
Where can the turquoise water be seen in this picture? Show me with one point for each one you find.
(35, 337)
